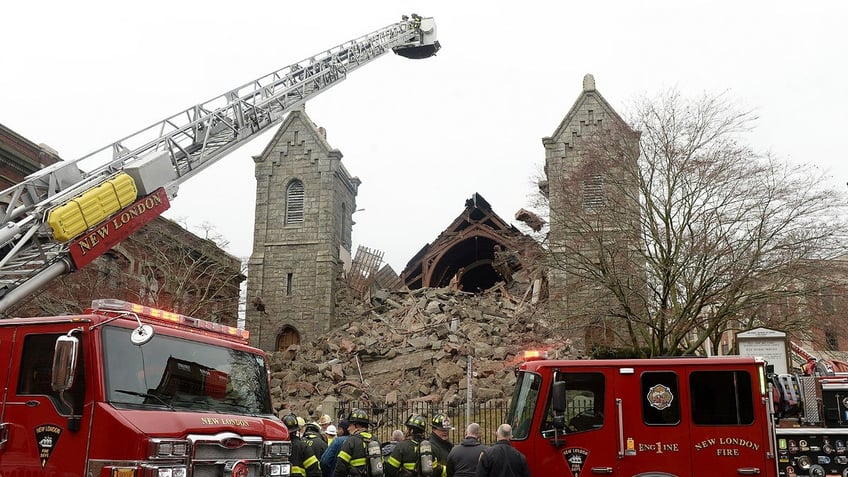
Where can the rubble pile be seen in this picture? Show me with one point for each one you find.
(414, 346)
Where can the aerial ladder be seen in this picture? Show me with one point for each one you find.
(812, 365)
(61, 218)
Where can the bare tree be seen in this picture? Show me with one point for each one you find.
(192, 276)
(161, 265)
(691, 233)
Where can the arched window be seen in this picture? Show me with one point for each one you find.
(294, 202)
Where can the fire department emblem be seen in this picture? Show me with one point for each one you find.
(236, 468)
(46, 437)
(660, 397)
(576, 458)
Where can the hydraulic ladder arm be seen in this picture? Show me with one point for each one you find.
(45, 216)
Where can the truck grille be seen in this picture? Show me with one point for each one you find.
(214, 456)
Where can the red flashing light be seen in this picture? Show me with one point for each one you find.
(156, 314)
(533, 355)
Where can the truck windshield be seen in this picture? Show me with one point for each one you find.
(181, 374)
(523, 404)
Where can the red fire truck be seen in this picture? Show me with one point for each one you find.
(676, 417)
(131, 391)
(125, 390)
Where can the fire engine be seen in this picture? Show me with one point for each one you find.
(676, 417)
(129, 390)
(60, 218)
(125, 390)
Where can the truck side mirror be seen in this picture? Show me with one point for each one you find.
(559, 422)
(558, 396)
(65, 356)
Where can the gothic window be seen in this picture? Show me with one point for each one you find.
(593, 193)
(294, 202)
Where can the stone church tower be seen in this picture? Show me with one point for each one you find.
(305, 199)
(592, 191)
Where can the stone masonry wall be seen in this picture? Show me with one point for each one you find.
(294, 267)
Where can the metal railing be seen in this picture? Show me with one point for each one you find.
(388, 418)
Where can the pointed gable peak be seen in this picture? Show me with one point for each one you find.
(297, 120)
(592, 104)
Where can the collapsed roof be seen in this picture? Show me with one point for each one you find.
(476, 251)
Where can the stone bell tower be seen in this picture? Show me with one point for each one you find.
(590, 164)
(305, 199)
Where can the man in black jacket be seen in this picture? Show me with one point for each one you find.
(302, 459)
(502, 460)
(463, 458)
(441, 427)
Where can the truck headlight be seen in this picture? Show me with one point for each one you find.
(144, 471)
(178, 471)
(276, 449)
(278, 469)
(168, 449)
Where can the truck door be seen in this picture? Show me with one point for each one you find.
(7, 342)
(40, 440)
(654, 431)
(729, 429)
(590, 425)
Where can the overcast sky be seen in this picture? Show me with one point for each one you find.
(422, 135)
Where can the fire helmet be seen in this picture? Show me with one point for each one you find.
(441, 421)
(290, 421)
(417, 422)
(359, 416)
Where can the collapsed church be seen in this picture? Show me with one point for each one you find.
(305, 199)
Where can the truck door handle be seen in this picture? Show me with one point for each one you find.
(602, 470)
(748, 471)
(4, 434)
(618, 407)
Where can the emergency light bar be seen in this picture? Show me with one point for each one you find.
(534, 355)
(182, 321)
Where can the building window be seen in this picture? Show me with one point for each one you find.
(289, 284)
(593, 193)
(294, 202)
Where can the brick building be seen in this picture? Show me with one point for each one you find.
(161, 265)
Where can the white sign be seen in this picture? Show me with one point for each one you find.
(767, 344)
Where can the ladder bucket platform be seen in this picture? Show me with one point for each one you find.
(424, 42)
(418, 52)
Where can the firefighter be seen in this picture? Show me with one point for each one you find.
(439, 441)
(353, 456)
(302, 459)
(405, 458)
(314, 438)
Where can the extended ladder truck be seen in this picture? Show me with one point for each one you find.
(125, 390)
(61, 218)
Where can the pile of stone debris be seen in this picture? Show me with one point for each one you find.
(415, 346)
